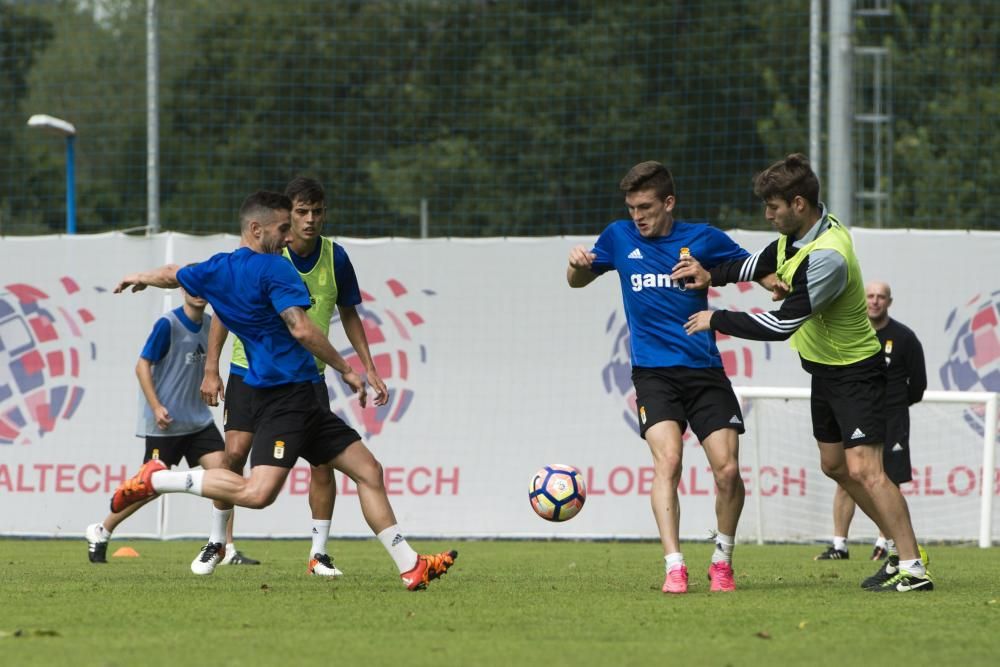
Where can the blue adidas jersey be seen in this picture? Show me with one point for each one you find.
(348, 289)
(248, 290)
(655, 306)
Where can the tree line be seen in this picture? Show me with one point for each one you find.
(508, 117)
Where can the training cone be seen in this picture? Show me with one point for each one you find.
(125, 552)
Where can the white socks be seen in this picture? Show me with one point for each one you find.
(839, 543)
(402, 553)
(674, 560)
(178, 481)
(220, 519)
(914, 567)
(723, 552)
(320, 533)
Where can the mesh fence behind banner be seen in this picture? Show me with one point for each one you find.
(509, 117)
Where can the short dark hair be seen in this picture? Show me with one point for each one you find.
(788, 178)
(260, 203)
(649, 175)
(305, 189)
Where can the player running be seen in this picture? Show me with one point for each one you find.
(329, 276)
(260, 297)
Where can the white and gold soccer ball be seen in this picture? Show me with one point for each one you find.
(557, 492)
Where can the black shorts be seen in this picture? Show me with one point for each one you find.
(896, 450)
(848, 406)
(702, 397)
(237, 414)
(191, 446)
(295, 420)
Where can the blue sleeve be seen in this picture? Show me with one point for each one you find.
(348, 290)
(721, 248)
(191, 279)
(158, 343)
(283, 284)
(605, 251)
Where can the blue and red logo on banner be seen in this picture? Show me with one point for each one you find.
(392, 326)
(42, 350)
(974, 357)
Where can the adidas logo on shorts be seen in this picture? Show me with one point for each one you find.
(858, 433)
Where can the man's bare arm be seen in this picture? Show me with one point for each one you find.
(144, 371)
(212, 388)
(164, 277)
(311, 338)
(579, 273)
(355, 330)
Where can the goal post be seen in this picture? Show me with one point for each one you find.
(953, 438)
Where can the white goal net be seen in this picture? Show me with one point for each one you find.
(953, 438)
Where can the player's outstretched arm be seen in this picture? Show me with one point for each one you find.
(755, 267)
(310, 337)
(164, 277)
(212, 388)
(818, 280)
(578, 274)
(355, 330)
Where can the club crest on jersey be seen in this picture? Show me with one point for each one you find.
(279, 449)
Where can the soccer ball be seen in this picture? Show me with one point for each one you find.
(557, 492)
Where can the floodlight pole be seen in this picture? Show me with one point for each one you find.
(70, 184)
(815, 77)
(152, 121)
(839, 188)
(65, 129)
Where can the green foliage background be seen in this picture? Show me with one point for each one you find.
(511, 117)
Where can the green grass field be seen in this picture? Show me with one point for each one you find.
(504, 603)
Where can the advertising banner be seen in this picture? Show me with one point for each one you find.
(495, 367)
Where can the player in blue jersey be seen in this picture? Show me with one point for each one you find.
(333, 286)
(174, 422)
(679, 381)
(261, 298)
